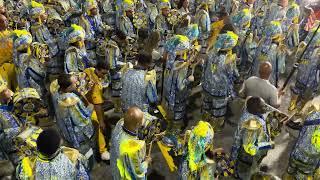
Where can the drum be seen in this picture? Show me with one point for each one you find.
(84, 83)
(140, 20)
(26, 141)
(40, 52)
(174, 17)
(26, 102)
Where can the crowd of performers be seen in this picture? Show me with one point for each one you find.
(66, 62)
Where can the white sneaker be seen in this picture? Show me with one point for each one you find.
(105, 156)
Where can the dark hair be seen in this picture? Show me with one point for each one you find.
(180, 4)
(102, 66)
(64, 81)
(48, 142)
(143, 33)
(255, 105)
(120, 34)
(144, 59)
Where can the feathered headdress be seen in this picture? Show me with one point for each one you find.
(75, 33)
(36, 9)
(21, 39)
(226, 41)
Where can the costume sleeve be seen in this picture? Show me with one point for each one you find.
(123, 27)
(82, 114)
(182, 81)
(82, 173)
(152, 92)
(236, 144)
(71, 64)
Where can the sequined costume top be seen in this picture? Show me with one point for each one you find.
(218, 76)
(68, 164)
(74, 119)
(42, 35)
(10, 127)
(138, 89)
(119, 134)
(305, 152)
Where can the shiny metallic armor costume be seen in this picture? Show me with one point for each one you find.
(217, 80)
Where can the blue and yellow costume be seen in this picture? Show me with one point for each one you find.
(30, 71)
(66, 163)
(251, 143)
(93, 27)
(125, 23)
(176, 81)
(305, 157)
(10, 127)
(292, 26)
(308, 70)
(139, 89)
(219, 73)
(273, 50)
(131, 162)
(74, 121)
(76, 58)
(196, 164)
(119, 134)
(39, 30)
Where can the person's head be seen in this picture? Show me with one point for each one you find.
(128, 7)
(101, 69)
(133, 119)
(6, 96)
(144, 60)
(143, 33)
(265, 70)
(67, 82)
(184, 4)
(120, 35)
(165, 11)
(3, 23)
(3, 10)
(22, 40)
(37, 12)
(76, 35)
(255, 105)
(48, 142)
(251, 1)
(283, 3)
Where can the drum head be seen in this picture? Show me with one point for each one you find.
(26, 102)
